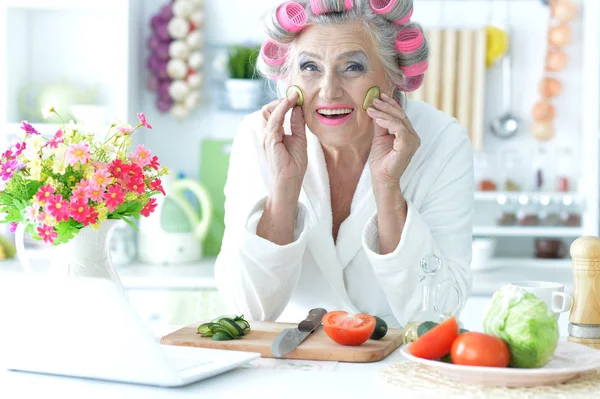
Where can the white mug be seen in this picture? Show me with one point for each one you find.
(552, 294)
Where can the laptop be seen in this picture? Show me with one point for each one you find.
(85, 327)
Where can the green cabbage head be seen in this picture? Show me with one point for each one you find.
(526, 324)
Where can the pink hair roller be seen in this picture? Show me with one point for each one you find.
(415, 69)
(273, 53)
(409, 40)
(291, 16)
(382, 6)
(413, 83)
(404, 19)
(317, 6)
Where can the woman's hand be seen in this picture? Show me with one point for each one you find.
(286, 154)
(390, 153)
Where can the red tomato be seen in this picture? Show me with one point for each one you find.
(437, 342)
(348, 329)
(478, 349)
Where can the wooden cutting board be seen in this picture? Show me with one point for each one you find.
(317, 346)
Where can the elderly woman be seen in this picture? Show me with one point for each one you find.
(335, 206)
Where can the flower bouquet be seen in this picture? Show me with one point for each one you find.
(72, 188)
(55, 187)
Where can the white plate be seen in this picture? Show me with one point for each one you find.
(568, 361)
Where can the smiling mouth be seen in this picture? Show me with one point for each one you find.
(334, 113)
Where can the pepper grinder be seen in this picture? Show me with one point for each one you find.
(584, 326)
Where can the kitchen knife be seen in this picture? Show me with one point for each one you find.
(290, 338)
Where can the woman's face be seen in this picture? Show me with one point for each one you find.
(335, 66)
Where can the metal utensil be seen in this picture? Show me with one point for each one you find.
(290, 338)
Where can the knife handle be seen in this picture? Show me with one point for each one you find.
(312, 320)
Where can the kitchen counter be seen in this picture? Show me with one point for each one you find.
(274, 380)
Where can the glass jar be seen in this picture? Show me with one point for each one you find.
(549, 211)
(430, 309)
(570, 212)
(485, 172)
(527, 215)
(541, 171)
(513, 165)
(507, 212)
(564, 172)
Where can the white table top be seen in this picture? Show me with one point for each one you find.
(347, 379)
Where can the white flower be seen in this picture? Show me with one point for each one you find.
(32, 212)
(47, 110)
(2, 185)
(60, 165)
(35, 169)
(33, 145)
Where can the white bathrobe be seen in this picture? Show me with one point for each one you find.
(266, 281)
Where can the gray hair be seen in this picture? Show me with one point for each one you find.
(380, 26)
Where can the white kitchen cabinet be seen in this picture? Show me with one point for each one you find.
(92, 46)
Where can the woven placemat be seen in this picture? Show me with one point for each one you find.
(415, 378)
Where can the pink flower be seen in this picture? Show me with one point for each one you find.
(101, 178)
(56, 140)
(91, 216)
(32, 212)
(44, 194)
(142, 156)
(13, 226)
(114, 197)
(154, 163)
(119, 169)
(78, 210)
(143, 121)
(124, 129)
(82, 190)
(156, 184)
(101, 166)
(8, 168)
(77, 153)
(58, 208)
(19, 148)
(96, 194)
(28, 128)
(149, 207)
(136, 184)
(46, 233)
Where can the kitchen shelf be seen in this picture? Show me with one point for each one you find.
(529, 263)
(483, 196)
(517, 231)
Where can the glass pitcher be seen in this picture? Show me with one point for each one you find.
(430, 309)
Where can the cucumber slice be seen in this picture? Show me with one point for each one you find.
(232, 327)
(372, 94)
(300, 100)
(243, 325)
(222, 336)
(204, 328)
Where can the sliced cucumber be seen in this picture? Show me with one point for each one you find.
(291, 89)
(204, 328)
(244, 325)
(232, 327)
(222, 336)
(371, 95)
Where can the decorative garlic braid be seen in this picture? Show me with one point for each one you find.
(290, 18)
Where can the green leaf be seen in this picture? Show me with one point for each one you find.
(66, 231)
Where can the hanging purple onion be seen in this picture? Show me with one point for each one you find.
(161, 70)
(163, 88)
(163, 105)
(162, 52)
(153, 62)
(156, 21)
(153, 42)
(162, 31)
(152, 82)
(166, 13)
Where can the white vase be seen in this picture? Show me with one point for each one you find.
(244, 93)
(85, 255)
